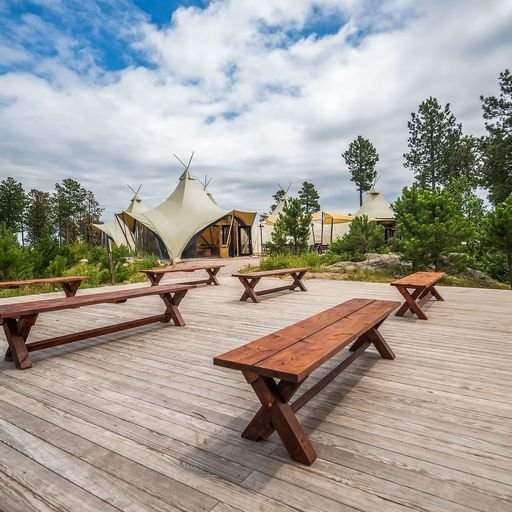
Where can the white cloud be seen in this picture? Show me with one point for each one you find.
(260, 105)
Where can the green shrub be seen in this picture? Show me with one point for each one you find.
(15, 261)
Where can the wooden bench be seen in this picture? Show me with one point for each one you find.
(250, 279)
(17, 319)
(422, 284)
(69, 283)
(155, 274)
(292, 354)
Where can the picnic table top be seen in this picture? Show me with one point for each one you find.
(275, 272)
(297, 350)
(15, 310)
(419, 279)
(188, 268)
(42, 280)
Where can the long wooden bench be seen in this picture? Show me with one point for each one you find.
(250, 279)
(155, 274)
(70, 284)
(423, 286)
(18, 318)
(292, 354)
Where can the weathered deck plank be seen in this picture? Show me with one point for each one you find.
(140, 420)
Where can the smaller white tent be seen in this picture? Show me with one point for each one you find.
(262, 232)
(117, 230)
(375, 207)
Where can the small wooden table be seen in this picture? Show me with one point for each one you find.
(423, 285)
(292, 354)
(17, 319)
(250, 279)
(69, 283)
(155, 274)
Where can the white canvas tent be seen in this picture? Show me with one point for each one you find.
(117, 230)
(190, 221)
(375, 207)
(262, 232)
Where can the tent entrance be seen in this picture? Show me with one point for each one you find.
(228, 237)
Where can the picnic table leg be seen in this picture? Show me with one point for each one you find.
(249, 284)
(154, 278)
(435, 293)
(410, 302)
(297, 281)
(172, 312)
(212, 272)
(283, 419)
(16, 332)
(71, 288)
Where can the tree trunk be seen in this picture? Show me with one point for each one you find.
(509, 260)
(360, 196)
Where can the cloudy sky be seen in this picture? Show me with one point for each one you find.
(264, 91)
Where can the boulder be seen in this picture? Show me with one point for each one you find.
(373, 261)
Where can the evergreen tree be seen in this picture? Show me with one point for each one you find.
(14, 261)
(278, 197)
(497, 145)
(38, 215)
(498, 232)
(430, 225)
(68, 204)
(292, 226)
(361, 158)
(434, 144)
(91, 215)
(12, 205)
(364, 236)
(308, 197)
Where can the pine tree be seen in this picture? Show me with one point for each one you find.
(91, 215)
(292, 226)
(68, 204)
(12, 205)
(278, 197)
(498, 232)
(430, 225)
(361, 158)
(497, 145)
(14, 260)
(363, 236)
(434, 144)
(308, 197)
(38, 215)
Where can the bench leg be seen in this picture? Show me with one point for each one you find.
(16, 332)
(154, 278)
(277, 413)
(212, 272)
(435, 293)
(297, 281)
(71, 288)
(249, 284)
(410, 302)
(172, 312)
(375, 337)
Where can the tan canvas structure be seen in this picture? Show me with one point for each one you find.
(190, 221)
(375, 207)
(117, 230)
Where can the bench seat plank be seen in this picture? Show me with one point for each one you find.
(16, 310)
(188, 268)
(70, 284)
(299, 360)
(249, 355)
(155, 275)
(269, 273)
(419, 279)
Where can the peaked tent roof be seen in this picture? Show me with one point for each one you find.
(375, 207)
(117, 230)
(186, 212)
(272, 218)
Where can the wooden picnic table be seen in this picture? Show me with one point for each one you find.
(423, 284)
(250, 279)
(18, 318)
(292, 354)
(70, 284)
(155, 274)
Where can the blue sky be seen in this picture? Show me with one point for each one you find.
(264, 91)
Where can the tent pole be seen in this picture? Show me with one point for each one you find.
(332, 226)
(322, 232)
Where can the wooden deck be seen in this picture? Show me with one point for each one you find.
(142, 420)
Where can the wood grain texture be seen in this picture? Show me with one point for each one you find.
(429, 431)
